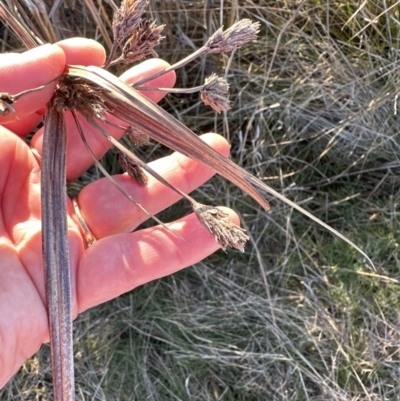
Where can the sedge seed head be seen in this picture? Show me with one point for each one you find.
(220, 227)
(234, 37)
(127, 19)
(142, 41)
(134, 170)
(214, 93)
(75, 95)
(136, 137)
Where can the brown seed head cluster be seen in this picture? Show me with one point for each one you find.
(142, 41)
(215, 93)
(234, 37)
(136, 137)
(220, 227)
(134, 170)
(80, 96)
(127, 18)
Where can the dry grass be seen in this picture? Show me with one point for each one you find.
(298, 316)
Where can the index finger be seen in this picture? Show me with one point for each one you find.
(30, 70)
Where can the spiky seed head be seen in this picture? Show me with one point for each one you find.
(214, 93)
(136, 137)
(220, 227)
(134, 170)
(127, 19)
(142, 41)
(234, 37)
(73, 94)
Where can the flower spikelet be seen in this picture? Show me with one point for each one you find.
(136, 137)
(234, 37)
(215, 92)
(220, 227)
(134, 171)
(142, 41)
(127, 18)
(82, 97)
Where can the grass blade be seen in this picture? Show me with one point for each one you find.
(19, 30)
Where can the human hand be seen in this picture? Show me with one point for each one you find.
(119, 260)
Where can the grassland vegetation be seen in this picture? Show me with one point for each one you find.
(299, 315)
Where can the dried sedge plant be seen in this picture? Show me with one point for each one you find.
(93, 93)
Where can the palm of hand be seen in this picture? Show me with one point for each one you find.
(119, 260)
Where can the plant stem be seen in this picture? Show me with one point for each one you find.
(175, 66)
(56, 253)
(17, 27)
(170, 90)
(110, 57)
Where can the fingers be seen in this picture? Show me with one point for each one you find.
(19, 185)
(35, 67)
(107, 211)
(122, 262)
(80, 51)
(78, 158)
(30, 109)
(25, 125)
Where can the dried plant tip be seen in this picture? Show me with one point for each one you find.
(220, 227)
(74, 95)
(142, 42)
(234, 37)
(136, 137)
(134, 170)
(6, 104)
(127, 19)
(214, 93)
